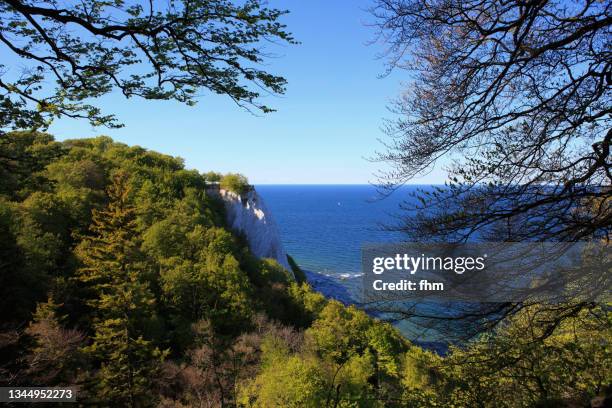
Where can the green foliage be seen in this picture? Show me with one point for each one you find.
(87, 51)
(285, 380)
(339, 332)
(212, 177)
(235, 182)
(301, 303)
(347, 359)
(294, 382)
(23, 156)
(363, 355)
(16, 287)
(270, 271)
(526, 363)
(311, 302)
(110, 254)
(128, 364)
(419, 369)
(388, 346)
(115, 271)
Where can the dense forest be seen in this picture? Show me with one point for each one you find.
(118, 276)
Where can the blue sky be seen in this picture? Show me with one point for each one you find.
(326, 125)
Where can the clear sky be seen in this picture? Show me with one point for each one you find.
(326, 125)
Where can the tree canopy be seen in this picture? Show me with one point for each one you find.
(235, 182)
(119, 276)
(58, 56)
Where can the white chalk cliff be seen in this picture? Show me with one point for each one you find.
(248, 214)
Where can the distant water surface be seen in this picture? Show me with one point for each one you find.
(324, 226)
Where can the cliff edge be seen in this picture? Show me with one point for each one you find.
(248, 214)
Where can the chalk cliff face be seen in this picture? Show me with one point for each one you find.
(248, 213)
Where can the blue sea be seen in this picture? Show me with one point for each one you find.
(323, 227)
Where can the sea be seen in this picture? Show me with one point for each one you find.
(323, 227)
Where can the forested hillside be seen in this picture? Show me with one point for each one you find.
(119, 276)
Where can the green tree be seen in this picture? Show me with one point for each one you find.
(23, 157)
(306, 302)
(213, 176)
(419, 378)
(339, 332)
(362, 356)
(15, 283)
(527, 363)
(91, 48)
(285, 380)
(270, 271)
(235, 182)
(114, 270)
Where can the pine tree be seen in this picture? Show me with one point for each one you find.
(115, 272)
